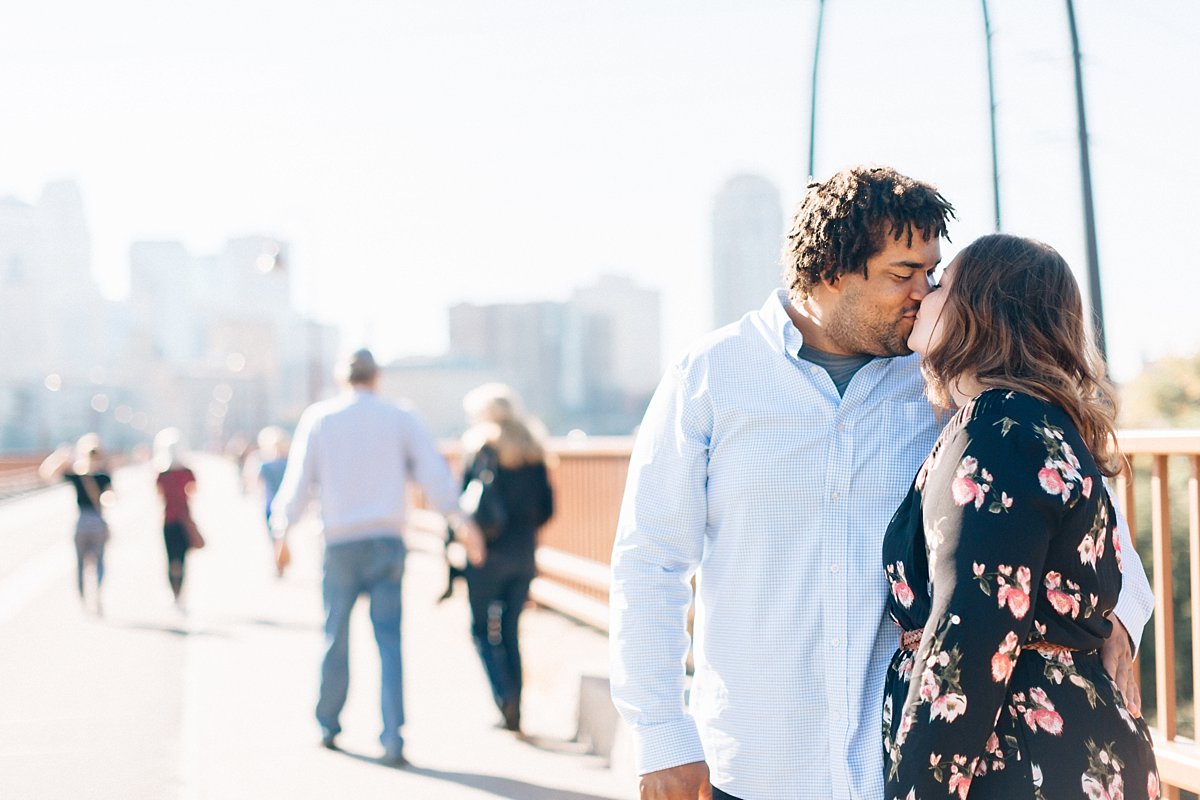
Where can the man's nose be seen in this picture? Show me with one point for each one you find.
(920, 286)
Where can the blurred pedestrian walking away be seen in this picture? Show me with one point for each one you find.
(84, 467)
(502, 449)
(356, 453)
(176, 484)
(273, 443)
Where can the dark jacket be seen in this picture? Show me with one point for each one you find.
(528, 504)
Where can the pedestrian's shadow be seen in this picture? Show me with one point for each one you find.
(562, 746)
(510, 788)
(174, 630)
(505, 787)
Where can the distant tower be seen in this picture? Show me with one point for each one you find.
(747, 239)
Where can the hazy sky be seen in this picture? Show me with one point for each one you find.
(416, 154)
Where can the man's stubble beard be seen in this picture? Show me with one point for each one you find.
(853, 328)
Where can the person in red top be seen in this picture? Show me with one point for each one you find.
(176, 483)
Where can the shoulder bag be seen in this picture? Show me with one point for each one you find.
(481, 499)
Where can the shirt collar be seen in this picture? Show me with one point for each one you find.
(784, 333)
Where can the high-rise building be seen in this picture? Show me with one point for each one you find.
(229, 353)
(59, 338)
(521, 343)
(747, 239)
(613, 345)
(589, 363)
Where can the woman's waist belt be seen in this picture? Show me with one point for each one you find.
(911, 640)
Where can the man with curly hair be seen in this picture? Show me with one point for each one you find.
(768, 464)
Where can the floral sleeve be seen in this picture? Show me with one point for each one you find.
(991, 503)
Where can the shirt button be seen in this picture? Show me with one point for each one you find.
(836, 495)
(836, 716)
(835, 643)
(833, 568)
(841, 427)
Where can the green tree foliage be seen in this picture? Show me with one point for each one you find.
(1165, 395)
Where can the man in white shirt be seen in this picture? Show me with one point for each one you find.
(768, 465)
(356, 454)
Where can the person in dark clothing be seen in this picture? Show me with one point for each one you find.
(500, 441)
(84, 468)
(175, 483)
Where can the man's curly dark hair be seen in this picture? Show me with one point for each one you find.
(842, 222)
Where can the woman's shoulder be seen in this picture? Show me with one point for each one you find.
(1010, 408)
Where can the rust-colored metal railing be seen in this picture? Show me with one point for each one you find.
(1178, 757)
(18, 474)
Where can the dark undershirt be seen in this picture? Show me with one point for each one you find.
(841, 369)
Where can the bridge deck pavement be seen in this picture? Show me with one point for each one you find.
(147, 702)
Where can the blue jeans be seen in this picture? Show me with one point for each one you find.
(373, 567)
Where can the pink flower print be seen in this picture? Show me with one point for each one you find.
(1152, 789)
(949, 707)
(1087, 487)
(1023, 577)
(1063, 603)
(964, 491)
(978, 569)
(1002, 667)
(1004, 658)
(929, 686)
(1016, 600)
(960, 782)
(968, 466)
(906, 723)
(1117, 550)
(1093, 789)
(900, 588)
(1047, 719)
(1052, 482)
(1087, 551)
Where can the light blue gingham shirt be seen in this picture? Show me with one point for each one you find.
(750, 472)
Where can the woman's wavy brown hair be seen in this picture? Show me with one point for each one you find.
(1014, 319)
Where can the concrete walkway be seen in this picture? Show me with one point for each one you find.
(147, 702)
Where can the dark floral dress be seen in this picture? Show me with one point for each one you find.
(1008, 538)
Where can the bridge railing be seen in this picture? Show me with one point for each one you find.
(1154, 457)
(18, 474)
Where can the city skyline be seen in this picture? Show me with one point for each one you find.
(420, 156)
(212, 343)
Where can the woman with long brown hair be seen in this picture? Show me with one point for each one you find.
(1003, 561)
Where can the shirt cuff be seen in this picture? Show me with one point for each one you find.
(668, 745)
(1131, 610)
